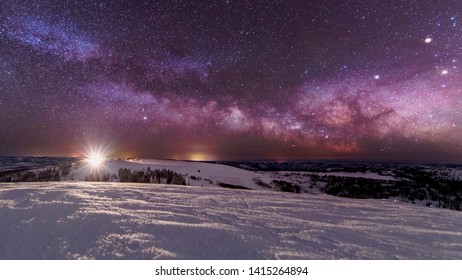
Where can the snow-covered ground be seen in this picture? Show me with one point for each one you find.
(83, 220)
(200, 170)
(368, 175)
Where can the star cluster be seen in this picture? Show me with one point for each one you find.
(230, 79)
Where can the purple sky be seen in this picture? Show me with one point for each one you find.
(279, 80)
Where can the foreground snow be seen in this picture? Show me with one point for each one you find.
(82, 220)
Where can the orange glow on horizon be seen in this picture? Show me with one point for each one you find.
(199, 157)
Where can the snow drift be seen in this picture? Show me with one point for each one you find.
(83, 220)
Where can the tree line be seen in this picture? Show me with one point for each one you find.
(157, 176)
(45, 175)
(447, 194)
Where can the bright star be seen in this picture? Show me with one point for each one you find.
(95, 158)
(428, 40)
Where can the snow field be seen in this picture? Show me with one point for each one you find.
(83, 220)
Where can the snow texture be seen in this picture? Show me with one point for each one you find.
(83, 220)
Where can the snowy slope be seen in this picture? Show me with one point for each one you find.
(369, 175)
(213, 172)
(81, 220)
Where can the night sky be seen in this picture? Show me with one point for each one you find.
(229, 80)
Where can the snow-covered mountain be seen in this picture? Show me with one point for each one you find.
(84, 220)
(427, 185)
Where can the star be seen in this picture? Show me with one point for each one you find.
(333, 84)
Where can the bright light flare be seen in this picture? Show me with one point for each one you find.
(95, 158)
